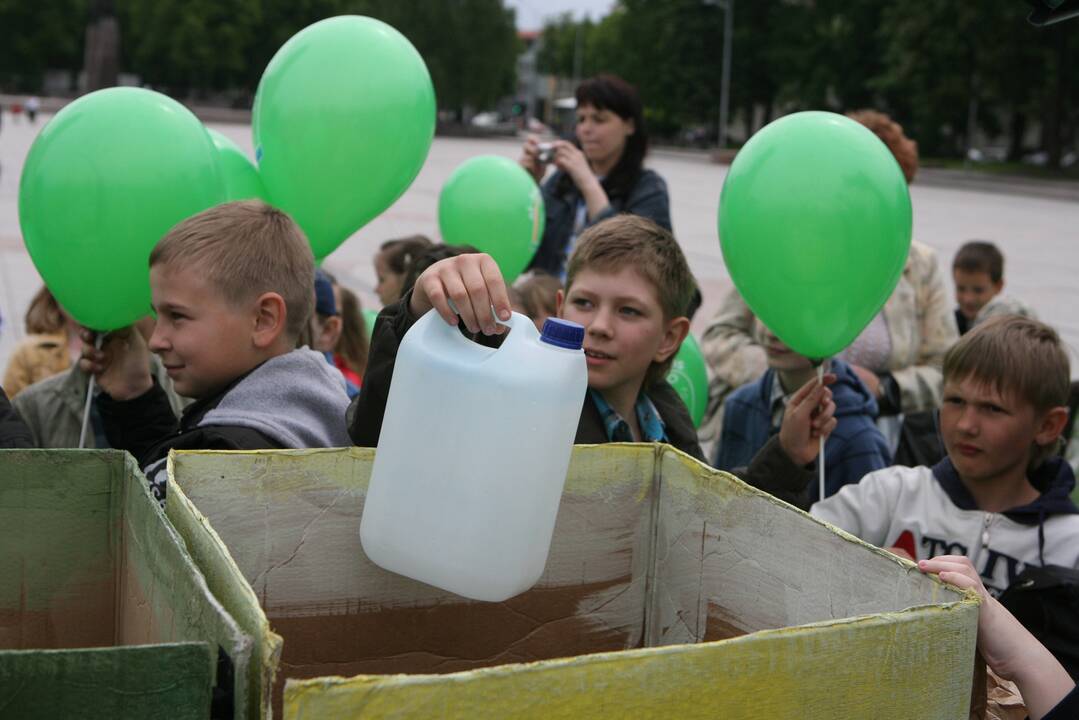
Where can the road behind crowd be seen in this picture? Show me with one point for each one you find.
(1035, 225)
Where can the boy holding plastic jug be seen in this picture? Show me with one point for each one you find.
(232, 290)
(629, 285)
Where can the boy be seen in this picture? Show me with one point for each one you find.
(978, 271)
(753, 413)
(1000, 497)
(628, 284)
(232, 290)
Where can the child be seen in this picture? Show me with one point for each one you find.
(327, 325)
(978, 271)
(537, 297)
(628, 284)
(231, 287)
(754, 412)
(1000, 497)
(1010, 650)
(392, 264)
(53, 408)
(350, 353)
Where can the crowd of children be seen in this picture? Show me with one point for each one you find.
(252, 348)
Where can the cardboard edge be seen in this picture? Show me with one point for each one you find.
(181, 511)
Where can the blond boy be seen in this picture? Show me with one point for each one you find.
(232, 288)
(1000, 497)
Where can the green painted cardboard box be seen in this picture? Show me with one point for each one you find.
(103, 614)
(671, 590)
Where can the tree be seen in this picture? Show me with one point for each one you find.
(39, 36)
(190, 47)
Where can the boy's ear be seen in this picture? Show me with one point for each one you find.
(1051, 425)
(675, 333)
(559, 300)
(270, 317)
(998, 287)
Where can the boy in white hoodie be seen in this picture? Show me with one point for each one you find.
(1001, 496)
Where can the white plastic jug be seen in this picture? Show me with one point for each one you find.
(473, 455)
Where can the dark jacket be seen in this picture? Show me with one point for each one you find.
(648, 198)
(13, 431)
(1066, 709)
(854, 449)
(296, 400)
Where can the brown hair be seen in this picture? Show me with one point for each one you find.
(247, 248)
(44, 316)
(1017, 356)
(636, 242)
(538, 294)
(980, 256)
(400, 254)
(352, 346)
(891, 133)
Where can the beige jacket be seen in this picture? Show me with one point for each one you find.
(53, 408)
(35, 358)
(921, 324)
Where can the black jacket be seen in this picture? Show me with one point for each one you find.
(13, 431)
(648, 198)
(147, 428)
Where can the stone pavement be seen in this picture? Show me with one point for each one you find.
(1034, 223)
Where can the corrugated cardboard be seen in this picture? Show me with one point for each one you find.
(102, 611)
(651, 549)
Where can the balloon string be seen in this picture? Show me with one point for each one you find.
(89, 398)
(820, 461)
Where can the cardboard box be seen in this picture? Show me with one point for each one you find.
(102, 611)
(653, 554)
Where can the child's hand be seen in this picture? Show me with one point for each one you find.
(808, 418)
(1006, 645)
(121, 366)
(473, 282)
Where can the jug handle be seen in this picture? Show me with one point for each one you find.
(494, 314)
(512, 323)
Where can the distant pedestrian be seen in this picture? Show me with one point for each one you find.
(32, 106)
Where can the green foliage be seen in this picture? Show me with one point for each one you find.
(929, 64)
(38, 36)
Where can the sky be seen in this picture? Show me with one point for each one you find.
(531, 13)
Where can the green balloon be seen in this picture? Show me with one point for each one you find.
(493, 204)
(815, 224)
(689, 378)
(103, 182)
(242, 181)
(343, 119)
(369, 317)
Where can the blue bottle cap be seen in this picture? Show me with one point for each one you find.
(562, 333)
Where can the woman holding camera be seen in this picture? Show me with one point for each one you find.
(601, 177)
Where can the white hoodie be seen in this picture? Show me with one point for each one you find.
(929, 512)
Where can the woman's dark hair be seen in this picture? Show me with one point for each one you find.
(612, 93)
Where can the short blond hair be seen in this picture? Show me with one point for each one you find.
(636, 242)
(1018, 357)
(245, 249)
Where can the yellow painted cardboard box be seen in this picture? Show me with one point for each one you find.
(671, 590)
